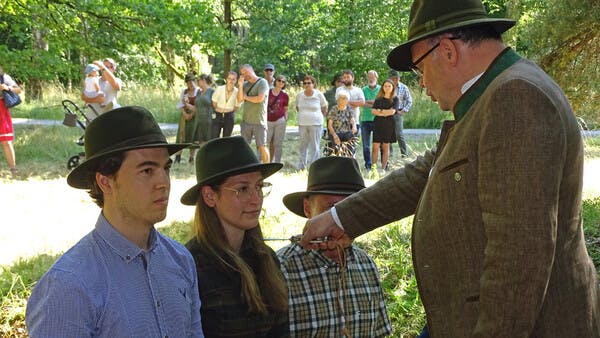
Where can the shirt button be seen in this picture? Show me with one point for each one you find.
(158, 303)
(457, 177)
(127, 257)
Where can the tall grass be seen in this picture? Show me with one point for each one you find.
(162, 102)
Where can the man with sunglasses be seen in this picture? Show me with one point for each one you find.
(110, 85)
(498, 246)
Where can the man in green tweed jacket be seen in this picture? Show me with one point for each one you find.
(497, 242)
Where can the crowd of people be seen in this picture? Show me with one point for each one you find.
(491, 258)
(341, 115)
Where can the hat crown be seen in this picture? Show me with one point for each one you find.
(428, 15)
(335, 173)
(223, 155)
(120, 128)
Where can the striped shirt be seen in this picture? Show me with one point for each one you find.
(404, 96)
(313, 282)
(106, 286)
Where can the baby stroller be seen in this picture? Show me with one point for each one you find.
(76, 116)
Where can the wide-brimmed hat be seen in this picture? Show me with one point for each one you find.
(431, 17)
(223, 157)
(327, 176)
(116, 131)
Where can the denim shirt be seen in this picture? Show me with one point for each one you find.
(106, 286)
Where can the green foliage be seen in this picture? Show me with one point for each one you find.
(591, 228)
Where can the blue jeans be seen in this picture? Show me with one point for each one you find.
(400, 133)
(366, 131)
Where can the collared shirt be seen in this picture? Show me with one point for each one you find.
(106, 286)
(225, 102)
(224, 312)
(314, 280)
(404, 96)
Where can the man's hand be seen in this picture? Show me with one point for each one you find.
(320, 226)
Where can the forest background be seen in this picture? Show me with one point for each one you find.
(48, 42)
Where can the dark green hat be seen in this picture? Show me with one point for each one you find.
(223, 157)
(327, 176)
(432, 17)
(116, 131)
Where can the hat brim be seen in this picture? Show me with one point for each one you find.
(79, 176)
(400, 58)
(295, 201)
(190, 197)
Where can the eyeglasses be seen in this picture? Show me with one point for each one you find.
(306, 83)
(268, 70)
(416, 69)
(244, 193)
(279, 80)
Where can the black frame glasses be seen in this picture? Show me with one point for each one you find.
(416, 69)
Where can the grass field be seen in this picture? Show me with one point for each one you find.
(42, 217)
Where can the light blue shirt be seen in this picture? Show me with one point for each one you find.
(106, 286)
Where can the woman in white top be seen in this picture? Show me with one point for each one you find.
(311, 106)
(224, 102)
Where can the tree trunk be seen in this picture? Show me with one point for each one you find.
(35, 88)
(227, 52)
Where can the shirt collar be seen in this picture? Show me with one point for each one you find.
(469, 83)
(119, 243)
(504, 60)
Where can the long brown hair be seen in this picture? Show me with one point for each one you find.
(264, 290)
(381, 92)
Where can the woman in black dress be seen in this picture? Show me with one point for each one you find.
(384, 107)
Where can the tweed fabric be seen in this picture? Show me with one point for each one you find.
(498, 245)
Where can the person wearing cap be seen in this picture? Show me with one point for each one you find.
(242, 289)
(317, 278)
(123, 279)
(269, 72)
(497, 241)
(357, 97)
(187, 108)
(405, 101)
(92, 82)
(110, 86)
(253, 93)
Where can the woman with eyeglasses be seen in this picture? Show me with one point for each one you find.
(277, 116)
(311, 106)
(242, 290)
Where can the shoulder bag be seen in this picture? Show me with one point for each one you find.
(11, 99)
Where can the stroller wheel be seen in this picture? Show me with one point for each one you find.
(73, 162)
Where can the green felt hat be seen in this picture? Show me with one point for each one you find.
(116, 131)
(327, 176)
(432, 17)
(224, 157)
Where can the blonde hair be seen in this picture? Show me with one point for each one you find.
(263, 291)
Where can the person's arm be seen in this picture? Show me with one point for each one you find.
(60, 307)
(359, 99)
(240, 93)
(393, 197)
(109, 76)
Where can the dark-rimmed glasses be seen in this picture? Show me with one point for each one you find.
(280, 80)
(416, 69)
(244, 193)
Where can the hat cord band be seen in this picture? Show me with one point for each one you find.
(432, 24)
(140, 140)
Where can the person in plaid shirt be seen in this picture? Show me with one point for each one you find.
(332, 293)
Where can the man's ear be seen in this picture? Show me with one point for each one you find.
(448, 50)
(104, 183)
(306, 205)
(208, 195)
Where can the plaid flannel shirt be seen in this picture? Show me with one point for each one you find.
(313, 283)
